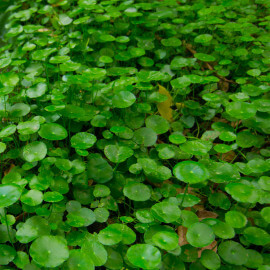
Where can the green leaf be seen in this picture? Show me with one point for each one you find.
(242, 193)
(7, 254)
(241, 110)
(41, 55)
(145, 136)
(210, 259)
(2, 147)
(101, 191)
(171, 42)
(34, 151)
(98, 169)
(116, 233)
(83, 140)
(4, 62)
(19, 110)
(123, 99)
(246, 139)
(21, 260)
(53, 196)
(254, 72)
(9, 194)
(255, 259)
(205, 57)
(171, 262)
(157, 123)
(102, 214)
(196, 147)
(117, 154)
(64, 19)
(28, 127)
(144, 256)
(166, 212)
(265, 212)
(7, 131)
(223, 230)
(204, 38)
(52, 132)
(137, 191)
(187, 200)
(33, 228)
(256, 236)
(166, 240)
(81, 218)
(79, 260)
(191, 172)
(115, 260)
(96, 251)
(200, 235)
(59, 59)
(49, 251)
(37, 91)
(32, 197)
(69, 66)
(232, 253)
(9, 79)
(236, 219)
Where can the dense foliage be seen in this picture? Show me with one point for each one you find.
(134, 134)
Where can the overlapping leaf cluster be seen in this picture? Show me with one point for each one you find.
(134, 135)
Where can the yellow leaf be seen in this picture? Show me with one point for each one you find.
(164, 108)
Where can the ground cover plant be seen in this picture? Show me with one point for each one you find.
(135, 134)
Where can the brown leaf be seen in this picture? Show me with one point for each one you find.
(223, 85)
(182, 231)
(9, 169)
(202, 214)
(229, 156)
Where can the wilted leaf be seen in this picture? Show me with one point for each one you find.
(164, 107)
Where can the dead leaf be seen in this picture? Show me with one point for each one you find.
(44, 30)
(164, 107)
(182, 231)
(229, 156)
(202, 214)
(236, 123)
(223, 85)
(9, 169)
(197, 207)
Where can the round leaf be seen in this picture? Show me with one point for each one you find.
(190, 172)
(232, 253)
(145, 136)
(7, 254)
(257, 236)
(9, 194)
(117, 154)
(236, 219)
(157, 123)
(166, 240)
(137, 191)
(49, 251)
(200, 235)
(166, 212)
(144, 256)
(123, 99)
(83, 140)
(34, 151)
(52, 132)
